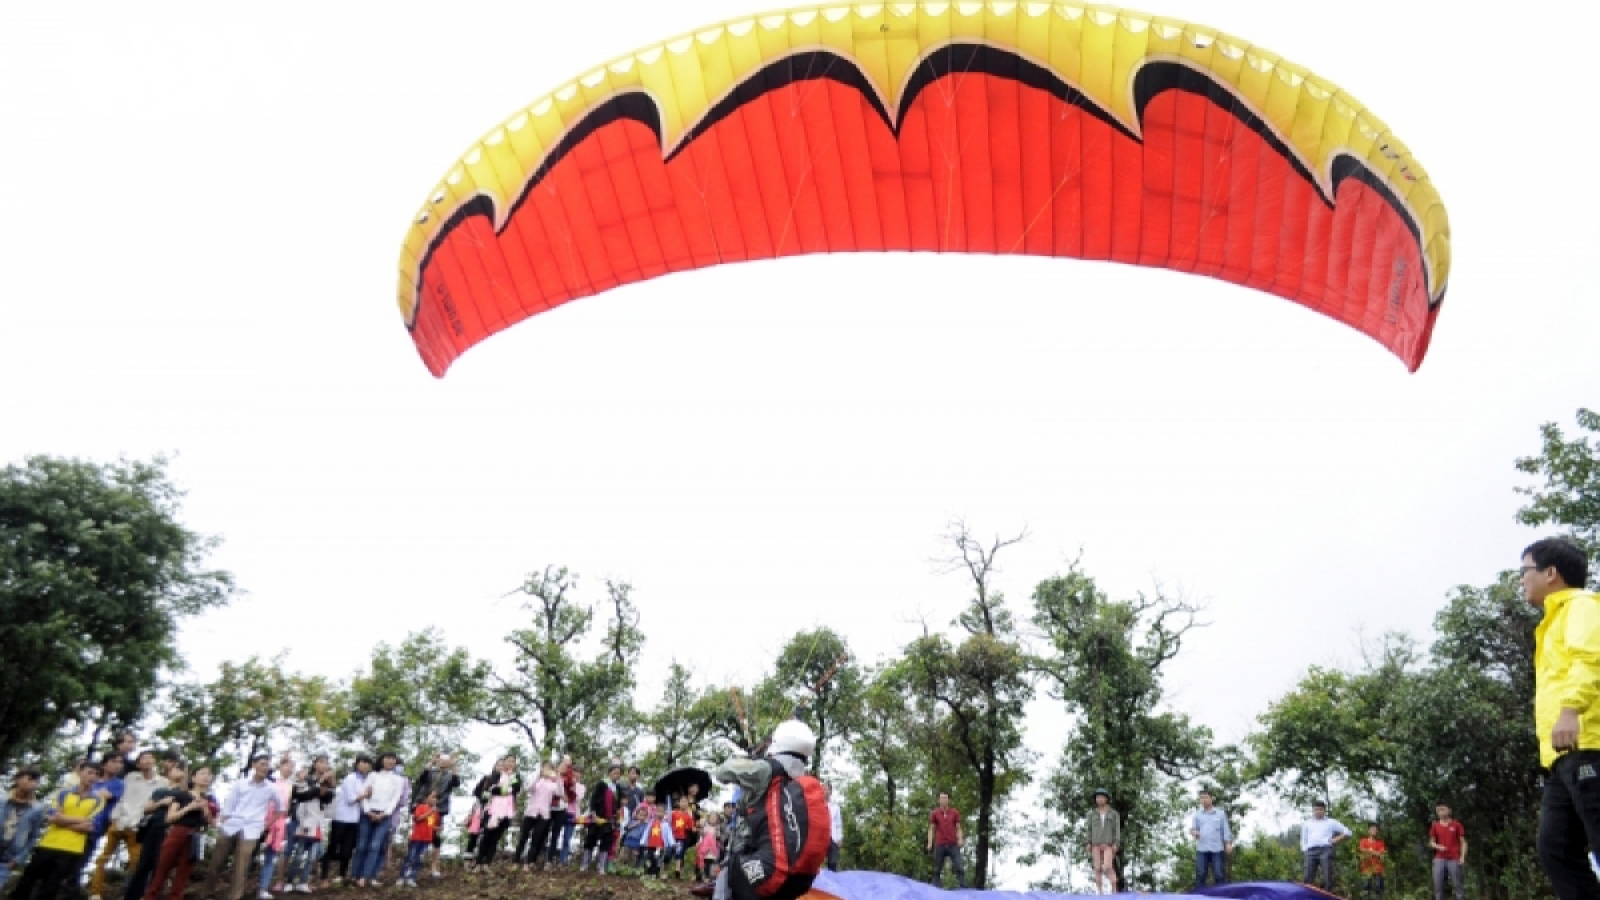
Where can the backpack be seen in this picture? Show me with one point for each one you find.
(786, 840)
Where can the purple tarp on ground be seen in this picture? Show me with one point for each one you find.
(878, 886)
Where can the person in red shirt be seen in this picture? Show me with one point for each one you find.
(425, 823)
(1449, 842)
(944, 840)
(682, 824)
(1374, 854)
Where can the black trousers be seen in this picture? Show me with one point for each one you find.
(532, 838)
(489, 842)
(341, 846)
(1569, 825)
(558, 823)
(149, 855)
(47, 872)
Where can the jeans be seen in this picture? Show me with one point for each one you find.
(1372, 887)
(566, 838)
(303, 853)
(369, 848)
(952, 852)
(415, 851)
(1569, 825)
(1208, 861)
(1448, 868)
(269, 864)
(1320, 857)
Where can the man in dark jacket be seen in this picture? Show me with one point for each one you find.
(441, 780)
(604, 807)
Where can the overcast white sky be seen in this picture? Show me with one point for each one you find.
(204, 209)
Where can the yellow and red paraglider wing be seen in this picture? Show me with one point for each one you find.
(1015, 128)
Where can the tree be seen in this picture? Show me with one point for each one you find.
(887, 822)
(95, 574)
(1104, 664)
(250, 708)
(1570, 496)
(816, 675)
(1400, 735)
(414, 700)
(683, 724)
(552, 696)
(980, 689)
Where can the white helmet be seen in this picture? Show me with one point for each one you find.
(795, 737)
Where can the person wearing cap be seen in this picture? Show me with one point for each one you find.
(1318, 836)
(1213, 840)
(1105, 839)
(1566, 713)
(791, 747)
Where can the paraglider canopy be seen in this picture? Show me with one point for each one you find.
(1049, 129)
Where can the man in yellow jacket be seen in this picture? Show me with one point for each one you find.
(1566, 663)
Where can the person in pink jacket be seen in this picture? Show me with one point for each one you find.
(535, 831)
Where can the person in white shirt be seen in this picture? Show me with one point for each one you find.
(243, 818)
(346, 827)
(835, 828)
(380, 801)
(139, 786)
(1318, 835)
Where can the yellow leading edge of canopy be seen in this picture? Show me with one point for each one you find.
(1096, 49)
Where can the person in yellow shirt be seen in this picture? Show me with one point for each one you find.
(58, 856)
(1566, 712)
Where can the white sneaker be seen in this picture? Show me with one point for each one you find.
(437, 874)
(263, 896)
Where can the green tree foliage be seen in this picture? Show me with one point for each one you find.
(414, 700)
(95, 574)
(977, 693)
(817, 676)
(557, 698)
(1570, 495)
(683, 726)
(1400, 735)
(904, 761)
(252, 707)
(1104, 664)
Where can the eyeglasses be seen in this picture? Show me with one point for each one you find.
(1526, 569)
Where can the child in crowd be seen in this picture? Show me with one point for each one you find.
(633, 837)
(708, 847)
(658, 841)
(425, 820)
(682, 826)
